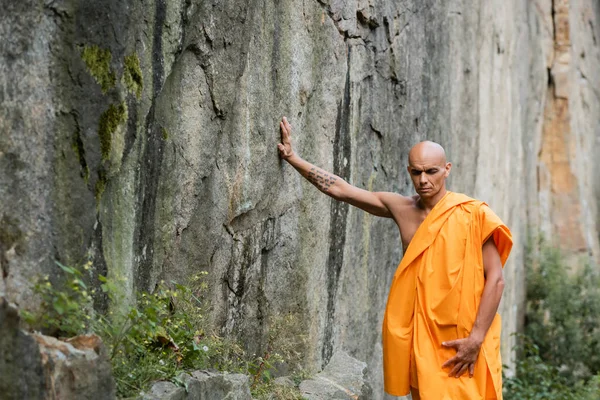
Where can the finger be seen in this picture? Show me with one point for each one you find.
(451, 343)
(285, 133)
(462, 370)
(287, 124)
(456, 368)
(280, 147)
(471, 370)
(449, 362)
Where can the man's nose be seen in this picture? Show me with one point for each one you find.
(422, 178)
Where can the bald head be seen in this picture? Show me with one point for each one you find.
(427, 152)
(428, 170)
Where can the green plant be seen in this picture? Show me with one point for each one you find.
(66, 312)
(271, 391)
(563, 314)
(536, 379)
(163, 334)
(282, 353)
(558, 354)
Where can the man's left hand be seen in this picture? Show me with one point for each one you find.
(467, 351)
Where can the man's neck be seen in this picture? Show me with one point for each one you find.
(429, 203)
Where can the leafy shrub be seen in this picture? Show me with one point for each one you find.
(537, 379)
(563, 315)
(559, 352)
(160, 336)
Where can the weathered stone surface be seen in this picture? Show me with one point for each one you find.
(21, 371)
(34, 366)
(202, 385)
(165, 391)
(171, 167)
(214, 386)
(344, 378)
(284, 381)
(76, 369)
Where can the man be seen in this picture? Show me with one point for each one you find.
(441, 332)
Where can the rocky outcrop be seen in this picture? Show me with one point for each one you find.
(21, 369)
(344, 378)
(34, 366)
(570, 130)
(202, 385)
(143, 136)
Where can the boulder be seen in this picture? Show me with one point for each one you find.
(344, 378)
(34, 366)
(202, 385)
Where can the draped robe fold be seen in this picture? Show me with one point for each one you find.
(434, 297)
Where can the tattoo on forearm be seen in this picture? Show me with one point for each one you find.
(321, 179)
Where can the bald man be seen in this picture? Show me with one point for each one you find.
(441, 330)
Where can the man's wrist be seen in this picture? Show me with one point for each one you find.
(477, 337)
(292, 158)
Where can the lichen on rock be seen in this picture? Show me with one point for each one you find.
(100, 185)
(97, 61)
(132, 75)
(109, 122)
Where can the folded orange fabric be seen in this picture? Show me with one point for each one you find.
(434, 297)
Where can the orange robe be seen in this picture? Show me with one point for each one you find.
(434, 297)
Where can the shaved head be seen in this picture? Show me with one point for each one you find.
(427, 150)
(428, 170)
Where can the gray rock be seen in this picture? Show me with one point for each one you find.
(214, 386)
(34, 366)
(164, 390)
(21, 371)
(284, 381)
(202, 385)
(344, 378)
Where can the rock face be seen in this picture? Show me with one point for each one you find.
(34, 366)
(143, 135)
(344, 378)
(21, 370)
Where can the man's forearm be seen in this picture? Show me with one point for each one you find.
(326, 182)
(490, 299)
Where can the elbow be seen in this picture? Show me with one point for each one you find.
(500, 285)
(337, 192)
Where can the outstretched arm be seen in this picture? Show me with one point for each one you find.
(330, 184)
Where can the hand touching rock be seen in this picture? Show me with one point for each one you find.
(285, 147)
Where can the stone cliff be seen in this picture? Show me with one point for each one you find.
(143, 135)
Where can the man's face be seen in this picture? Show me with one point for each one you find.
(428, 174)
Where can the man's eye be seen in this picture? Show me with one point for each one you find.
(431, 171)
(416, 173)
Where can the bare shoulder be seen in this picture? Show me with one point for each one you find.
(397, 202)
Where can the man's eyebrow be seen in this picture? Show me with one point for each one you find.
(424, 169)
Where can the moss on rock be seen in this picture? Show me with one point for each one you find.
(132, 75)
(109, 122)
(97, 61)
(100, 185)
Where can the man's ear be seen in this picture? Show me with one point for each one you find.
(448, 168)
